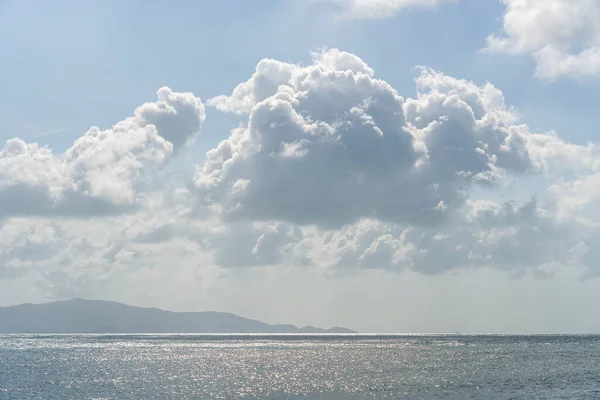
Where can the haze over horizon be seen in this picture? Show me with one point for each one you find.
(388, 166)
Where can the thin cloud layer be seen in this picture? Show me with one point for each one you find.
(562, 35)
(376, 9)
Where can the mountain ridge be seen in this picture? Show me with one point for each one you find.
(100, 316)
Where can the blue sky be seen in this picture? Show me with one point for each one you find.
(342, 232)
(80, 64)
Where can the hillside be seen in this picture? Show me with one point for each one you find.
(95, 316)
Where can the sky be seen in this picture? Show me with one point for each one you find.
(385, 165)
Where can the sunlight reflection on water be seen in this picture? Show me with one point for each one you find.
(298, 367)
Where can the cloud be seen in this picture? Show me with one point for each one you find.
(332, 172)
(335, 169)
(177, 117)
(333, 144)
(375, 9)
(103, 171)
(562, 35)
(508, 236)
(68, 257)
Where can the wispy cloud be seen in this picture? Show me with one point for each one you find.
(39, 131)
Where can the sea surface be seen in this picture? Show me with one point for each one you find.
(298, 367)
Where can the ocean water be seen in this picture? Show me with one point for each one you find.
(298, 367)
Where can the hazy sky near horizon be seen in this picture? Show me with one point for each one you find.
(385, 165)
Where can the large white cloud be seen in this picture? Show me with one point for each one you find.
(333, 172)
(562, 35)
(102, 172)
(335, 169)
(331, 144)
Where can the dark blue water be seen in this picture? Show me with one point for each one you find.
(299, 367)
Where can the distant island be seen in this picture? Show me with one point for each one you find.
(96, 316)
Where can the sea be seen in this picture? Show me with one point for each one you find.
(102, 367)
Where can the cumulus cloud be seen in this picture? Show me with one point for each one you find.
(333, 144)
(562, 35)
(178, 117)
(332, 171)
(374, 9)
(335, 169)
(101, 173)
